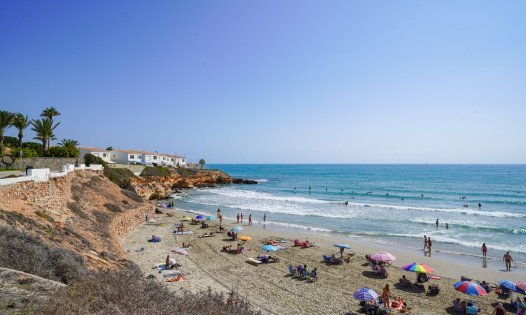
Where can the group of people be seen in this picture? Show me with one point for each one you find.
(302, 271)
(238, 250)
(428, 245)
(239, 218)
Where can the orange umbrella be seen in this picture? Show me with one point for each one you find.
(244, 238)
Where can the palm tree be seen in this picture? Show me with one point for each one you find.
(50, 112)
(69, 143)
(202, 162)
(109, 149)
(44, 130)
(21, 123)
(6, 121)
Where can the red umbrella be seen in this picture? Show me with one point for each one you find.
(521, 285)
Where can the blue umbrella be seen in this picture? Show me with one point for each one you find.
(508, 285)
(365, 294)
(342, 245)
(269, 248)
(235, 229)
(199, 217)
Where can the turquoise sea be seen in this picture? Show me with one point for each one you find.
(395, 204)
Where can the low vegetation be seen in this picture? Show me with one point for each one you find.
(23, 252)
(158, 171)
(128, 292)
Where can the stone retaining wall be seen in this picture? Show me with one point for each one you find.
(53, 163)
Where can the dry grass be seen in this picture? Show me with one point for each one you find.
(127, 292)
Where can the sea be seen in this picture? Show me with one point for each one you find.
(390, 204)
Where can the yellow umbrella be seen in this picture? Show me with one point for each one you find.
(244, 238)
(185, 218)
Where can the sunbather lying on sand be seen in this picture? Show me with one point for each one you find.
(186, 245)
(267, 258)
(179, 277)
(304, 244)
(208, 234)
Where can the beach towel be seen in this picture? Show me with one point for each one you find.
(254, 261)
(172, 274)
(179, 277)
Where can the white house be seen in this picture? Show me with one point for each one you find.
(102, 153)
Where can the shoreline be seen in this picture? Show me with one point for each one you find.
(462, 258)
(207, 267)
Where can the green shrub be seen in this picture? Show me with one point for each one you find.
(21, 251)
(185, 172)
(92, 159)
(120, 176)
(132, 195)
(11, 141)
(58, 152)
(35, 146)
(112, 207)
(155, 171)
(27, 152)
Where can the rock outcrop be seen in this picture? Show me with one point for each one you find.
(159, 187)
(244, 181)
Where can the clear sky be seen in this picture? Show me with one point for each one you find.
(275, 81)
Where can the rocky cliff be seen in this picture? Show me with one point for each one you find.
(158, 187)
(83, 212)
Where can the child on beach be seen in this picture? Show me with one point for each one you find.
(484, 249)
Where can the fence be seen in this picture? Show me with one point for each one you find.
(44, 174)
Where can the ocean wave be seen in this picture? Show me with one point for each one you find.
(249, 194)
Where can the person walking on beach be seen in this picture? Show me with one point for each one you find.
(429, 245)
(241, 217)
(484, 250)
(265, 217)
(250, 219)
(507, 259)
(220, 217)
(237, 217)
(425, 243)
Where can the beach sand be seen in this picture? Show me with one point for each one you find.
(271, 290)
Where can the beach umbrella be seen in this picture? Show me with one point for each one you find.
(365, 294)
(521, 285)
(418, 267)
(199, 217)
(185, 218)
(210, 218)
(181, 251)
(342, 246)
(235, 229)
(269, 248)
(383, 256)
(244, 238)
(508, 285)
(471, 288)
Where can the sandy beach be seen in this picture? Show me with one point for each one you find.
(270, 288)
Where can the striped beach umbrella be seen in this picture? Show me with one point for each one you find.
(521, 285)
(508, 285)
(365, 294)
(418, 267)
(471, 288)
(383, 256)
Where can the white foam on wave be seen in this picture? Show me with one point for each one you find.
(248, 194)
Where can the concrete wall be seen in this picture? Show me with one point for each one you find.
(44, 174)
(53, 163)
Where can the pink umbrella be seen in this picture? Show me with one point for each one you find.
(383, 256)
(181, 251)
(521, 285)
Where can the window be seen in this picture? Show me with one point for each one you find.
(132, 157)
(104, 154)
(155, 157)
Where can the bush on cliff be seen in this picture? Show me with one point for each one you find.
(155, 171)
(92, 159)
(127, 292)
(27, 253)
(120, 176)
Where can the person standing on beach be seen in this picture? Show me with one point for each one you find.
(436, 223)
(425, 243)
(250, 219)
(218, 212)
(447, 226)
(385, 295)
(237, 217)
(484, 250)
(429, 245)
(507, 259)
(220, 217)
(264, 217)
(241, 217)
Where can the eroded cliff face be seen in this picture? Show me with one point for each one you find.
(155, 187)
(83, 212)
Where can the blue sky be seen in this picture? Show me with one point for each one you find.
(275, 81)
